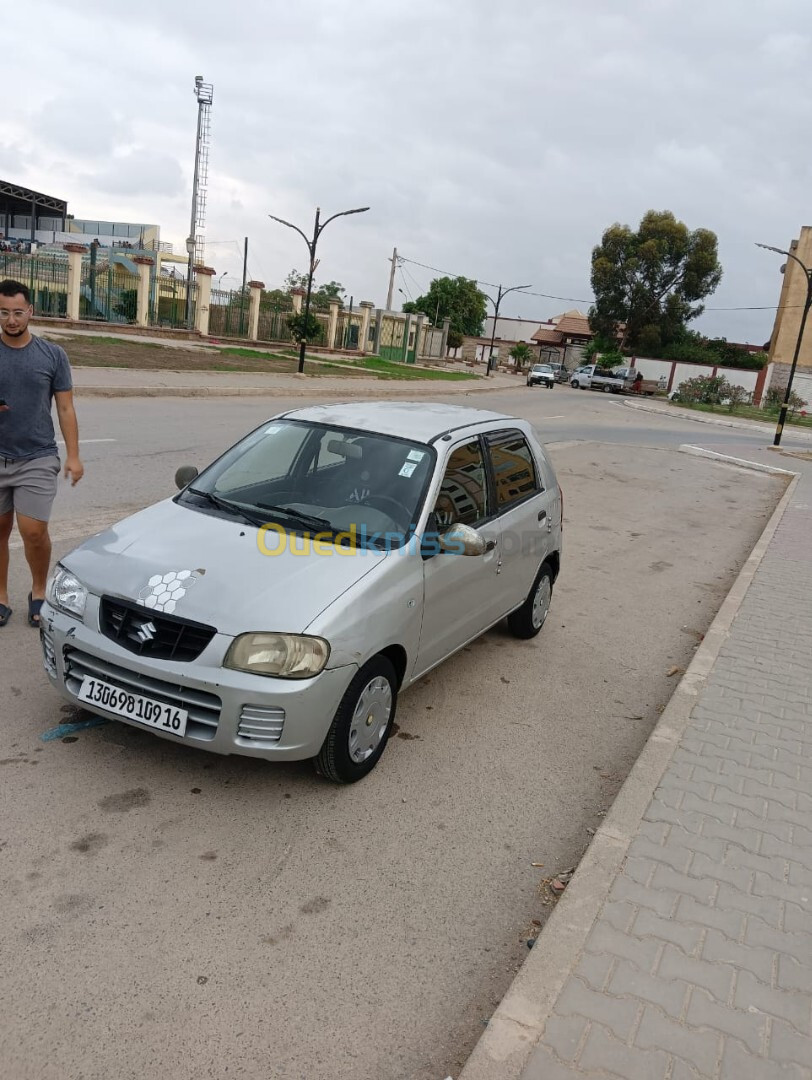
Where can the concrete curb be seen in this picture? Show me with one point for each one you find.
(519, 1022)
(344, 393)
(684, 414)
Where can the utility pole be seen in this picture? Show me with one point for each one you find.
(394, 261)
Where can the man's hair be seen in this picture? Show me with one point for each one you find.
(10, 287)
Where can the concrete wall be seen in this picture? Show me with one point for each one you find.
(791, 302)
(676, 373)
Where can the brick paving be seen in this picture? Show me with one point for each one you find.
(699, 964)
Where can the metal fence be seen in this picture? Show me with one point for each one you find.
(167, 307)
(107, 291)
(229, 313)
(45, 276)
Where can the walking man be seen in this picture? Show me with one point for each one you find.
(33, 373)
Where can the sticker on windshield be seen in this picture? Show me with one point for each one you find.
(162, 591)
(415, 455)
(408, 468)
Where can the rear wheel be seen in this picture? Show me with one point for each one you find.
(527, 621)
(361, 725)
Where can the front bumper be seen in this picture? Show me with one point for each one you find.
(541, 382)
(229, 712)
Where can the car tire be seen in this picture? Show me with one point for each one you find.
(574, 384)
(608, 389)
(351, 750)
(526, 621)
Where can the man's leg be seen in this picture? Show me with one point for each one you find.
(6, 525)
(37, 544)
(33, 497)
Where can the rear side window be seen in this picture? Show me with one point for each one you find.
(514, 469)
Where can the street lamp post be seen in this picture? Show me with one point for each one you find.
(318, 229)
(499, 298)
(782, 416)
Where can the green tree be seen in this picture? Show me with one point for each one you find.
(304, 330)
(457, 299)
(652, 280)
(321, 295)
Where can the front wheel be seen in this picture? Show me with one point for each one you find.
(361, 725)
(574, 384)
(527, 621)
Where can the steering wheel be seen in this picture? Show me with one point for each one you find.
(370, 500)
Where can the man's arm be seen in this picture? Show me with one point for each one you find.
(70, 433)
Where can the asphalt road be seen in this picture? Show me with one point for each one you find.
(172, 913)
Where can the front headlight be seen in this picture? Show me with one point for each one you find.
(287, 656)
(66, 592)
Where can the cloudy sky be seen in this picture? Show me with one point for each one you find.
(491, 139)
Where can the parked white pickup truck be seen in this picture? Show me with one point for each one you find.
(592, 377)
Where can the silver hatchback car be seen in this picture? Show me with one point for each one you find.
(279, 602)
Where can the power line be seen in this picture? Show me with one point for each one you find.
(581, 300)
(493, 285)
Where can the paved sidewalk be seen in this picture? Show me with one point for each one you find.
(133, 382)
(682, 948)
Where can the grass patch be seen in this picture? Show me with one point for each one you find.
(748, 412)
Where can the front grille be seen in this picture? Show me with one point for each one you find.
(203, 708)
(260, 726)
(144, 632)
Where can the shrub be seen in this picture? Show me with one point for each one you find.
(704, 390)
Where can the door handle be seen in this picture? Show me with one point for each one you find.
(490, 545)
(542, 515)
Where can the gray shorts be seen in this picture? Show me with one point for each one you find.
(29, 486)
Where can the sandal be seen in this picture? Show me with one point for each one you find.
(34, 608)
(5, 614)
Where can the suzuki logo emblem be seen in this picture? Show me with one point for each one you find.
(146, 632)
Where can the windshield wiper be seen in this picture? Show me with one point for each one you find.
(227, 505)
(306, 519)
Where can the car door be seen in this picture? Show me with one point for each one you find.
(526, 510)
(461, 593)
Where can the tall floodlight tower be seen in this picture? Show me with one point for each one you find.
(195, 241)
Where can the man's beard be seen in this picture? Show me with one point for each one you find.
(14, 333)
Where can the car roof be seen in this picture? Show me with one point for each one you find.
(421, 421)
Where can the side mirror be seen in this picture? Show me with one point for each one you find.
(462, 540)
(185, 475)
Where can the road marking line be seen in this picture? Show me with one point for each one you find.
(713, 455)
(61, 442)
(561, 417)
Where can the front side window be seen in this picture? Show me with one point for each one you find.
(463, 498)
(514, 468)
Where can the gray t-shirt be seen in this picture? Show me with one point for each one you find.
(29, 378)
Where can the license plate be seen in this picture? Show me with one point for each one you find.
(142, 710)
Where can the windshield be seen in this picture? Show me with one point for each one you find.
(542, 367)
(315, 479)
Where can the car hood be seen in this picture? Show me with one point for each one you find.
(210, 569)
